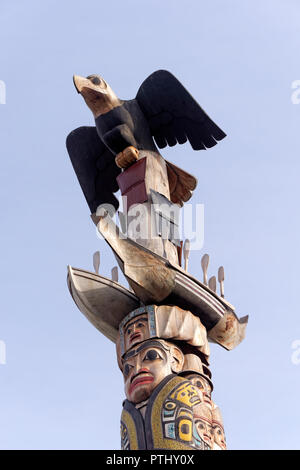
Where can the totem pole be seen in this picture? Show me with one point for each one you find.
(162, 323)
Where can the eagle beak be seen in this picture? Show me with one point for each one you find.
(80, 82)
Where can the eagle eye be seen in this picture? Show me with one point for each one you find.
(94, 79)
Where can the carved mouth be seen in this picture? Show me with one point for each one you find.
(206, 398)
(207, 438)
(134, 336)
(142, 378)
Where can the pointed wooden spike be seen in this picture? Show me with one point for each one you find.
(186, 253)
(115, 274)
(212, 283)
(221, 278)
(221, 274)
(96, 261)
(204, 265)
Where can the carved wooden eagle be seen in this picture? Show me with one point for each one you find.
(163, 112)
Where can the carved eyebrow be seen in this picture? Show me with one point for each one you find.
(134, 321)
(146, 344)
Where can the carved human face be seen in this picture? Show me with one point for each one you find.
(203, 422)
(202, 386)
(145, 366)
(205, 430)
(136, 331)
(219, 436)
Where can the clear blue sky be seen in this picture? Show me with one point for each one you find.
(61, 387)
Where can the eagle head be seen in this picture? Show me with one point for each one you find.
(97, 94)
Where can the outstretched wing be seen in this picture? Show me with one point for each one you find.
(181, 184)
(94, 166)
(173, 114)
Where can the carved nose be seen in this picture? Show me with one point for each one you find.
(137, 366)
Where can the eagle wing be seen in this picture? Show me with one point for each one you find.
(173, 114)
(181, 184)
(94, 166)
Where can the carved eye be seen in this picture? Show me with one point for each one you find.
(126, 370)
(151, 355)
(170, 405)
(200, 425)
(128, 331)
(94, 79)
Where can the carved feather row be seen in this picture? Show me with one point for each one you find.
(181, 184)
